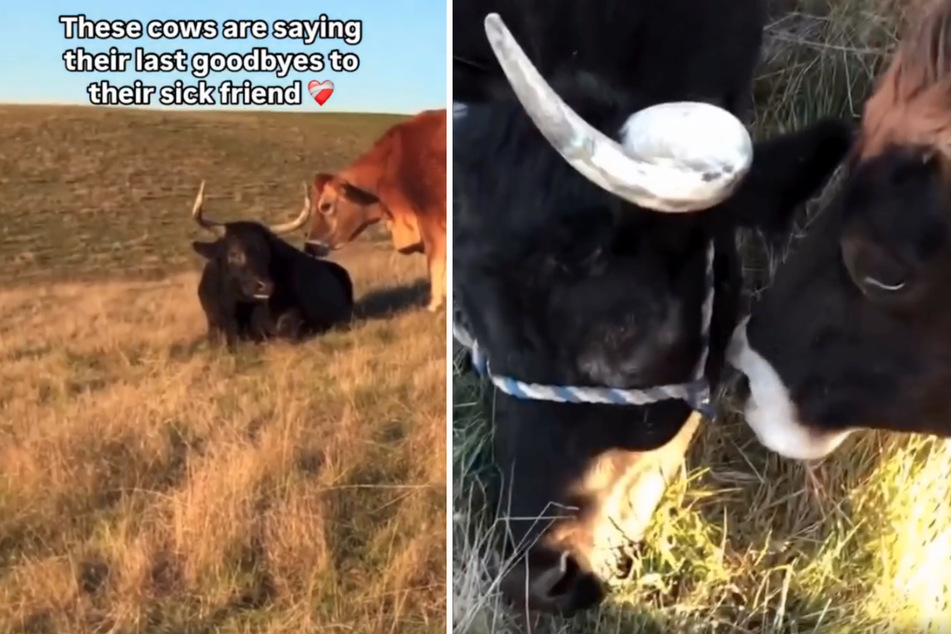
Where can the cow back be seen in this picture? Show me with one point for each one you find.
(415, 174)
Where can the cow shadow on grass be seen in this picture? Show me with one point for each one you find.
(388, 302)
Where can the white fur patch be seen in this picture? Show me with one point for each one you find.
(770, 411)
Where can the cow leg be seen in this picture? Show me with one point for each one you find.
(232, 329)
(222, 329)
(437, 278)
(260, 324)
(215, 334)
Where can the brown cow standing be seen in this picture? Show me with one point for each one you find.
(401, 180)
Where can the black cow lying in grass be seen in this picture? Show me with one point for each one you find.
(256, 286)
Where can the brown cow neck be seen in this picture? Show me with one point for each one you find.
(367, 171)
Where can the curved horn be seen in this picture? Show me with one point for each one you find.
(298, 222)
(198, 213)
(676, 157)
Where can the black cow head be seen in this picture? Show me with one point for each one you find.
(855, 331)
(243, 249)
(570, 275)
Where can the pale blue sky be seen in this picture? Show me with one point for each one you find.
(402, 55)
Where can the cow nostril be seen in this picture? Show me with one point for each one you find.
(558, 581)
(556, 586)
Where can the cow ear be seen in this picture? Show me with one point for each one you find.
(786, 172)
(358, 196)
(207, 250)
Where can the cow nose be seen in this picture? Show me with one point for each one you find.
(316, 249)
(262, 289)
(553, 584)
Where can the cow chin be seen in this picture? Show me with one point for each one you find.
(317, 249)
(770, 411)
(578, 558)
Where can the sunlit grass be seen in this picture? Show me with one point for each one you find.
(152, 483)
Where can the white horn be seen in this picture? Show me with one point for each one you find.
(198, 213)
(676, 157)
(297, 223)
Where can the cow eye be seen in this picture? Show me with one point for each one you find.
(326, 208)
(874, 270)
(236, 257)
(883, 278)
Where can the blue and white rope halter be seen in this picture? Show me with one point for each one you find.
(695, 393)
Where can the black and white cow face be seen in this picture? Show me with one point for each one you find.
(563, 282)
(853, 332)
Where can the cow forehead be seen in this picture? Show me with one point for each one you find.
(247, 236)
(897, 200)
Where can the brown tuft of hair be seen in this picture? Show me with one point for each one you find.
(912, 104)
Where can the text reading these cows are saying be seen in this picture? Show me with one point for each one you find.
(200, 64)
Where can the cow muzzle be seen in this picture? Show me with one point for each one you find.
(317, 249)
(260, 290)
(554, 582)
(576, 559)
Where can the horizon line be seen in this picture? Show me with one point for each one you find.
(217, 108)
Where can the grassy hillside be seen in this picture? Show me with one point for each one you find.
(749, 542)
(149, 483)
(91, 192)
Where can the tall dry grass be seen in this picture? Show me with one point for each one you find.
(149, 480)
(152, 483)
(748, 541)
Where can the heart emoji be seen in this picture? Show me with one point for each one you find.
(320, 90)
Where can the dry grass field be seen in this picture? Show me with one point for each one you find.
(749, 542)
(152, 483)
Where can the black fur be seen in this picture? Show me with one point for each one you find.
(566, 284)
(306, 295)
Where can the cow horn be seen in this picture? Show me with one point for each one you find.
(676, 157)
(298, 222)
(198, 213)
